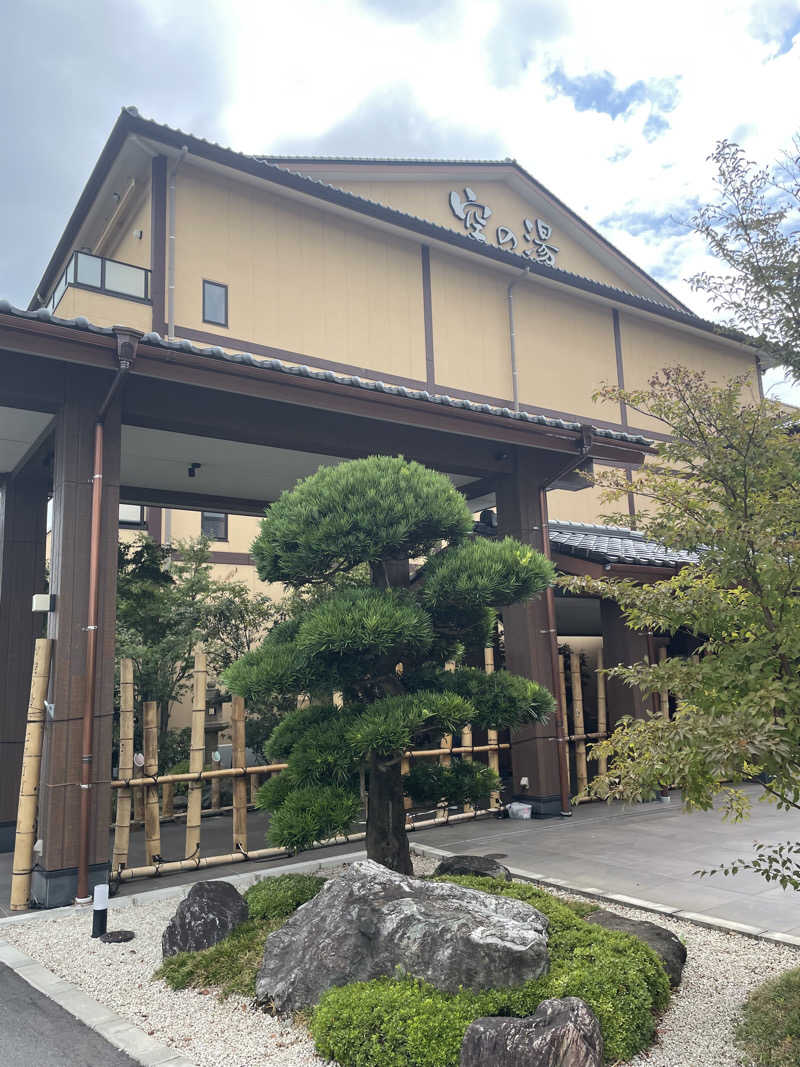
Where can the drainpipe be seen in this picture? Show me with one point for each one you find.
(550, 604)
(512, 339)
(127, 342)
(171, 246)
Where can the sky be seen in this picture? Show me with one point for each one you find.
(615, 105)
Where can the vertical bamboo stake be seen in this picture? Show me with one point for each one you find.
(215, 794)
(405, 768)
(602, 710)
(239, 755)
(122, 833)
(197, 752)
(491, 735)
(138, 798)
(581, 772)
(168, 800)
(466, 742)
(29, 783)
(562, 682)
(152, 821)
(255, 782)
(663, 696)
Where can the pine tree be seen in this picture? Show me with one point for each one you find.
(340, 538)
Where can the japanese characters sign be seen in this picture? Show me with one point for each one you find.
(535, 233)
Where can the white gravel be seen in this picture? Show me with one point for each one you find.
(695, 1031)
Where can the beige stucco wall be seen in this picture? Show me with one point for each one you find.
(298, 278)
(104, 310)
(565, 350)
(431, 200)
(647, 347)
(124, 245)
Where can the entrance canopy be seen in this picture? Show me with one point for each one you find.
(249, 428)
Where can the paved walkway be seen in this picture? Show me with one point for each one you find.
(648, 851)
(37, 1032)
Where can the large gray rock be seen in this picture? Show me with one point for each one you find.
(372, 922)
(473, 866)
(205, 916)
(664, 943)
(561, 1033)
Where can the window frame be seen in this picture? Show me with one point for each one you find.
(133, 524)
(224, 287)
(224, 514)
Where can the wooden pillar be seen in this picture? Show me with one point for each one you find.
(23, 511)
(534, 753)
(55, 880)
(621, 645)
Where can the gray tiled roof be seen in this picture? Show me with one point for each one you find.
(371, 384)
(612, 544)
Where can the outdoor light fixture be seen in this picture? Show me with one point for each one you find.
(100, 910)
(193, 469)
(524, 783)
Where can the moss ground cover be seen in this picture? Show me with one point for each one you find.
(399, 1022)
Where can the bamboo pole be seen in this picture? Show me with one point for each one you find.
(138, 794)
(239, 759)
(581, 772)
(197, 750)
(602, 710)
(466, 744)
(122, 831)
(663, 696)
(152, 820)
(491, 735)
(25, 837)
(255, 784)
(405, 768)
(202, 776)
(167, 801)
(562, 682)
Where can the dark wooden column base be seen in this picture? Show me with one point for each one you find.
(534, 752)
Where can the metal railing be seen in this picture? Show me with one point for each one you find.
(102, 275)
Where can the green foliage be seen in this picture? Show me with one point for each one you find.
(230, 966)
(405, 1021)
(500, 699)
(313, 813)
(278, 896)
(364, 511)
(361, 634)
(726, 485)
(769, 1031)
(483, 573)
(275, 790)
(753, 230)
(342, 635)
(173, 748)
(461, 783)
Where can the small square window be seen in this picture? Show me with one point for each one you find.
(214, 525)
(131, 516)
(215, 303)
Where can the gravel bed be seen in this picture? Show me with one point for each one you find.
(695, 1031)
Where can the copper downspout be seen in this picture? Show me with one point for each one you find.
(127, 341)
(550, 604)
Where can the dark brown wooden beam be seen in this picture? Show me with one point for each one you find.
(168, 498)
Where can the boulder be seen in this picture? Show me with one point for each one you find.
(205, 916)
(561, 1033)
(372, 922)
(670, 949)
(473, 866)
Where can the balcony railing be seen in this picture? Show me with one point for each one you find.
(102, 276)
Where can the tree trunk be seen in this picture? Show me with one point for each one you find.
(387, 841)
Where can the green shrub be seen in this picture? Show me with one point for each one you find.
(231, 966)
(368, 1024)
(279, 896)
(770, 1028)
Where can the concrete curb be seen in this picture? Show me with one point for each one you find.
(112, 1027)
(710, 921)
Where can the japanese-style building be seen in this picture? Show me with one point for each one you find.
(232, 322)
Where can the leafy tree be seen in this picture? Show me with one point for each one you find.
(166, 605)
(753, 228)
(349, 636)
(725, 487)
